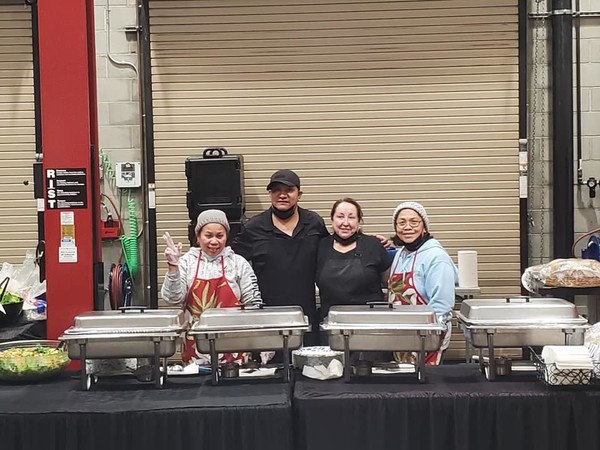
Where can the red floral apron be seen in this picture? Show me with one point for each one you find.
(402, 285)
(208, 293)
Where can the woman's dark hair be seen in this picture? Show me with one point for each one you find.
(347, 200)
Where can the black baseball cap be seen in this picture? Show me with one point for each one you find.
(284, 176)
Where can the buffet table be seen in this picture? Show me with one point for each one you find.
(457, 410)
(124, 414)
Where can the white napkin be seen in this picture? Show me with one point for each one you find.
(567, 356)
(400, 368)
(574, 360)
(260, 372)
(320, 372)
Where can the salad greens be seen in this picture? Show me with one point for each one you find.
(9, 298)
(23, 362)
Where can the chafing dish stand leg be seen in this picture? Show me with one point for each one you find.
(347, 362)
(421, 369)
(158, 378)
(568, 335)
(214, 362)
(82, 361)
(491, 373)
(481, 362)
(286, 359)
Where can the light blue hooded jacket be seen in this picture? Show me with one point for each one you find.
(435, 274)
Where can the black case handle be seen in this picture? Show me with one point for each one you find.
(214, 152)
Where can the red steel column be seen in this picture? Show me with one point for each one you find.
(69, 138)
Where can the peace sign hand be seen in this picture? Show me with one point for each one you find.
(173, 251)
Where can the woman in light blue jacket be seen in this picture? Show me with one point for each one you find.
(422, 272)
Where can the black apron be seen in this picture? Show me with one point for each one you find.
(340, 278)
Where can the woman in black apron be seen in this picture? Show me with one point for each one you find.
(351, 266)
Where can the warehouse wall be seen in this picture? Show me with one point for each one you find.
(119, 115)
(18, 221)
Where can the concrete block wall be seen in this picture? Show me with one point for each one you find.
(119, 116)
(539, 135)
(587, 209)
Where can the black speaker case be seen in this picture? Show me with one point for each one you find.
(225, 175)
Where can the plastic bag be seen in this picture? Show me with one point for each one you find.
(572, 273)
(24, 276)
(24, 279)
(531, 279)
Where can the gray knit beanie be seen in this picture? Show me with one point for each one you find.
(211, 216)
(417, 207)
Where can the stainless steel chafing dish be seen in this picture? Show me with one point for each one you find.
(132, 332)
(262, 328)
(519, 322)
(383, 327)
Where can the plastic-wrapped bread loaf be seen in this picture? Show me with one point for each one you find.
(574, 272)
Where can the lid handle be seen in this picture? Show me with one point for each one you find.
(526, 298)
(124, 309)
(372, 305)
(260, 305)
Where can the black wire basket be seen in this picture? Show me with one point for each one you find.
(551, 375)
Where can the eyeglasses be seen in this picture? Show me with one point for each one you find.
(413, 223)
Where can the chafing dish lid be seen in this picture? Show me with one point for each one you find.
(130, 319)
(221, 319)
(519, 310)
(353, 316)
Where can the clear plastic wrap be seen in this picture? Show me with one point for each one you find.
(592, 342)
(572, 273)
(531, 278)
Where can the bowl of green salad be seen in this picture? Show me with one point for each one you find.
(32, 360)
(13, 305)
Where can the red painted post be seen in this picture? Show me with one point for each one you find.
(69, 138)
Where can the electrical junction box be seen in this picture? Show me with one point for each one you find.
(128, 174)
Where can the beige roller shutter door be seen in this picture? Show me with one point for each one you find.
(18, 219)
(382, 101)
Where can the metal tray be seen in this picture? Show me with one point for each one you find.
(521, 310)
(388, 327)
(129, 320)
(131, 333)
(250, 329)
(113, 346)
(388, 315)
(521, 322)
(524, 335)
(223, 319)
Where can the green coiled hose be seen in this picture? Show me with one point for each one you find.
(109, 172)
(129, 243)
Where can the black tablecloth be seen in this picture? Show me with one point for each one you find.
(23, 330)
(457, 409)
(124, 414)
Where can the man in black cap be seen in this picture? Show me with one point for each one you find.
(281, 243)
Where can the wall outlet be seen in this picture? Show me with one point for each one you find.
(128, 174)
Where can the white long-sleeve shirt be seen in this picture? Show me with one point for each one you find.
(238, 272)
